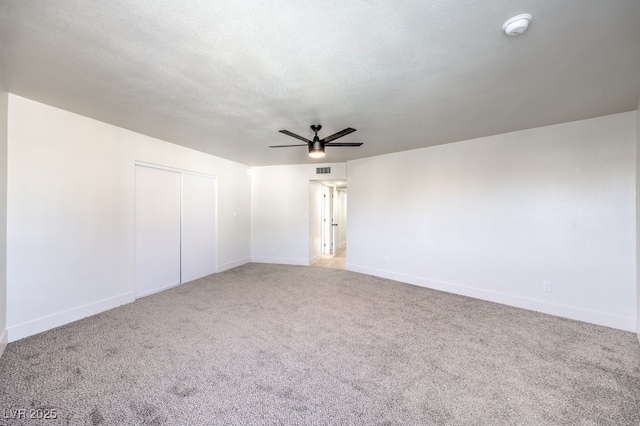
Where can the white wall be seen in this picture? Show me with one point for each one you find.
(71, 213)
(638, 219)
(341, 218)
(495, 217)
(280, 211)
(4, 99)
(315, 222)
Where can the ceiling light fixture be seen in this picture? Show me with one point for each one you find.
(316, 149)
(516, 25)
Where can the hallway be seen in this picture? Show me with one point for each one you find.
(337, 261)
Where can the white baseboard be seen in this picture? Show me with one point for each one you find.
(230, 265)
(48, 322)
(4, 340)
(160, 290)
(281, 261)
(571, 312)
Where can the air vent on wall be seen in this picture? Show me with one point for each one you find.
(323, 170)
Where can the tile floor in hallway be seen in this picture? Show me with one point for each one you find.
(337, 261)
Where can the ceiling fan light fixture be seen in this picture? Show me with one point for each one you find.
(316, 150)
(316, 146)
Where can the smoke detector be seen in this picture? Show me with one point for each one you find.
(516, 25)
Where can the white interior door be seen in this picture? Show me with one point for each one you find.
(198, 226)
(327, 229)
(157, 230)
(334, 219)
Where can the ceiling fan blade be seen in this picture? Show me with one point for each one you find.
(286, 146)
(340, 134)
(293, 135)
(344, 144)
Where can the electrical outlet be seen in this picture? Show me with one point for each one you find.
(546, 286)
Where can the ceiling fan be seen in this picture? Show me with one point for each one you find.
(317, 145)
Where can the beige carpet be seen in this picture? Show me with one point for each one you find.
(271, 344)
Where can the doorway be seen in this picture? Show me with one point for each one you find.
(333, 222)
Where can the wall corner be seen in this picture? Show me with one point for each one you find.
(4, 117)
(638, 221)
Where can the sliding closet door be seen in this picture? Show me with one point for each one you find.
(198, 226)
(157, 230)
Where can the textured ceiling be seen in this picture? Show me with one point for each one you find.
(223, 77)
